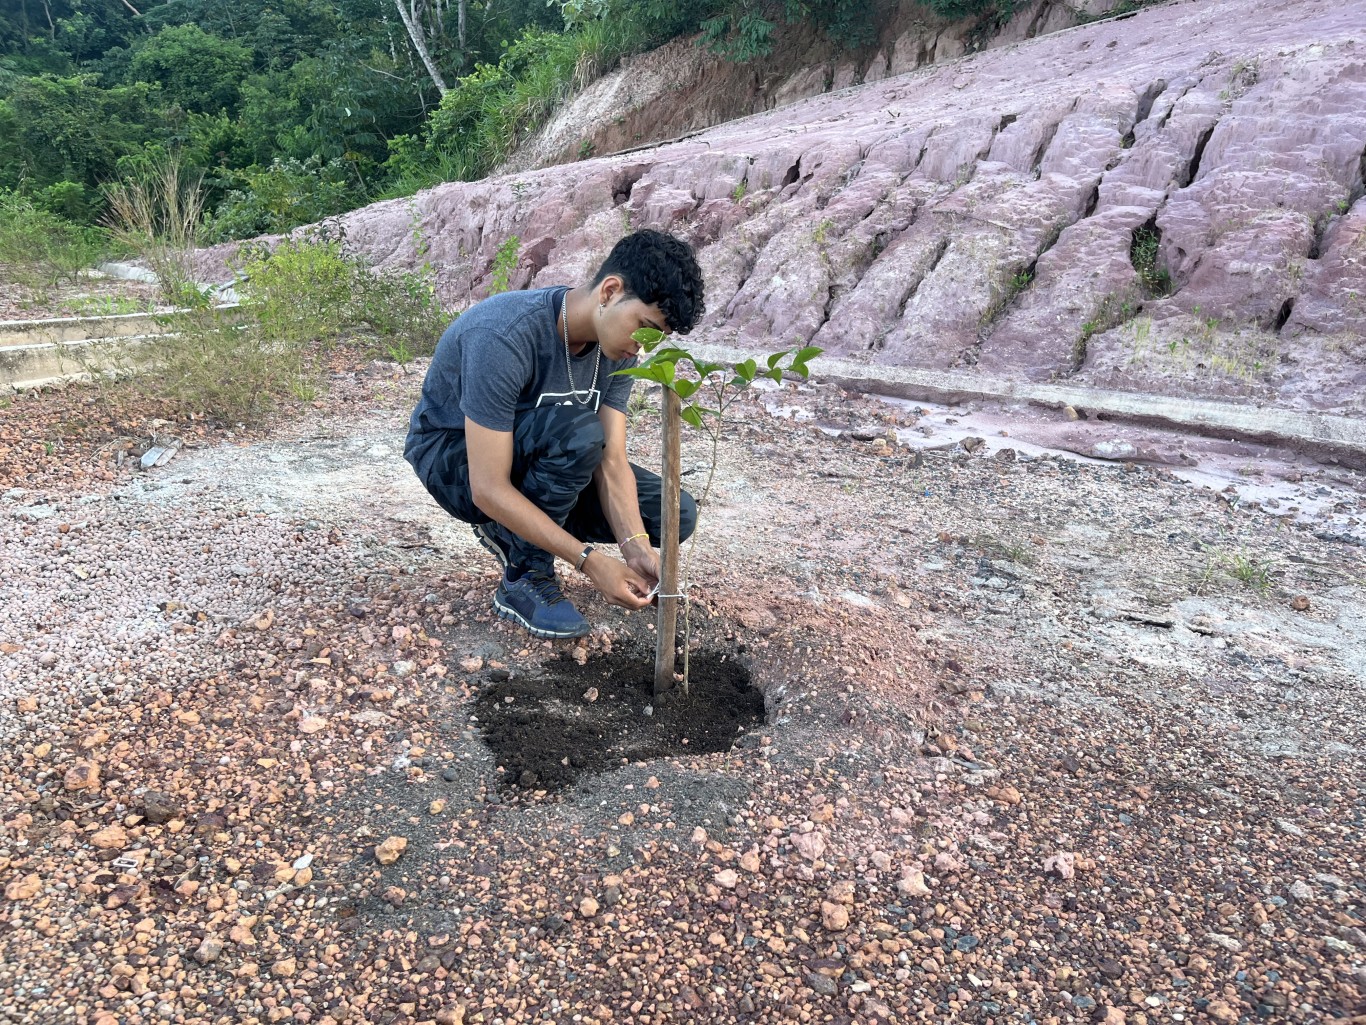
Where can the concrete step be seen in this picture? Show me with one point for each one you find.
(42, 353)
(45, 364)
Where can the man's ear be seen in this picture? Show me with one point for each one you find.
(610, 286)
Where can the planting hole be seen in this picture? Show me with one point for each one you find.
(573, 720)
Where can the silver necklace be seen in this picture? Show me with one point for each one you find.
(597, 361)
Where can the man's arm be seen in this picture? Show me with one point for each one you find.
(616, 484)
(490, 457)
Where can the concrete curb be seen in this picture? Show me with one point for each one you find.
(224, 294)
(1325, 436)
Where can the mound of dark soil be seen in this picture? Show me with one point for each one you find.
(546, 731)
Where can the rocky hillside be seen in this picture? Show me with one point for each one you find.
(1167, 202)
(682, 88)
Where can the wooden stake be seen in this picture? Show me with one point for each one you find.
(667, 628)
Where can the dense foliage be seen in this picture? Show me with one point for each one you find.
(292, 110)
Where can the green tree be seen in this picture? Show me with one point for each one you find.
(278, 32)
(742, 31)
(69, 129)
(195, 70)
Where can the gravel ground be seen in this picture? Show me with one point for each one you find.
(1047, 742)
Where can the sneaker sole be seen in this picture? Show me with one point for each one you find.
(490, 546)
(506, 612)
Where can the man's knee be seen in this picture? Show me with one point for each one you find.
(687, 515)
(571, 435)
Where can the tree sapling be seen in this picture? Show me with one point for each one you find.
(723, 383)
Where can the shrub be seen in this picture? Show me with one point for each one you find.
(308, 290)
(279, 198)
(299, 302)
(400, 310)
(299, 292)
(71, 200)
(40, 249)
(218, 368)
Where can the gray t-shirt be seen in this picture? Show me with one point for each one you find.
(502, 357)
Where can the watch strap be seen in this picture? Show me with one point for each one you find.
(583, 557)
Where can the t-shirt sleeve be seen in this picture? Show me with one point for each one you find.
(618, 392)
(494, 371)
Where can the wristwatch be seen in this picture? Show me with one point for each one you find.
(583, 557)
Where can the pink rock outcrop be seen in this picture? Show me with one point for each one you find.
(981, 215)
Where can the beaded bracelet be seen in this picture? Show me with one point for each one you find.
(633, 537)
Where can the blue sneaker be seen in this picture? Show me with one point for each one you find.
(488, 535)
(534, 601)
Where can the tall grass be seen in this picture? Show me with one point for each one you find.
(156, 212)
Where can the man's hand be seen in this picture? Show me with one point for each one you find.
(619, 583)
(643, 559)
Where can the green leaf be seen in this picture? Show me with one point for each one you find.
(705, 369)
(670, 354)
(685, 388)
(692, 414)
(807, 354)
(774, 375)
(660, 373)
(773, 360)
(745, 371)
(648, 337)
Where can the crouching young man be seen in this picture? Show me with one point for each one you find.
(521, 431)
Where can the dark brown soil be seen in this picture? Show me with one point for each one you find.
(547, 731)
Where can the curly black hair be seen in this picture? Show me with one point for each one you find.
(659, 270)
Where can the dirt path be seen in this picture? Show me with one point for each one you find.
(1047, 742)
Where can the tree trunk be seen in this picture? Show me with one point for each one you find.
(460, 27)
(667, 627)
(410, 22)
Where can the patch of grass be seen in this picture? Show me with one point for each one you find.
(505, 264)
(1113, 311)
(1155, 279)
(1258, 574)
(1244, 74)
(109, 306)
(1004, 294)
(1004, 549)
(1254, 572)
